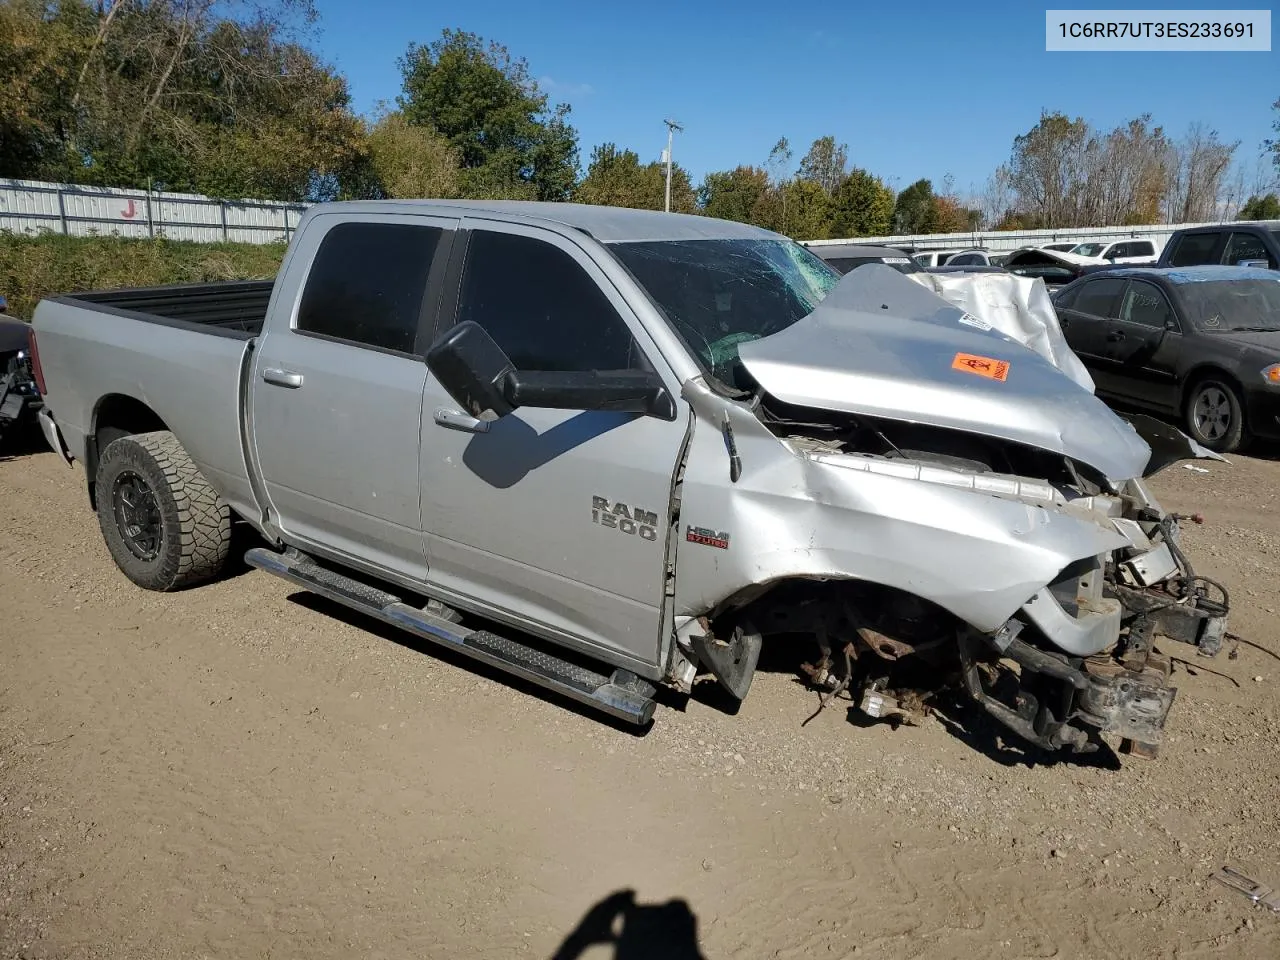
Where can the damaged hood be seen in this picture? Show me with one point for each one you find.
(884, 346)
(1029, 255)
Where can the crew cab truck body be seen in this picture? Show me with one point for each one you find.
(1249, 243)
(610, 449)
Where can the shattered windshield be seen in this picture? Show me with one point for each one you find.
(1226, 306)
(720, 293)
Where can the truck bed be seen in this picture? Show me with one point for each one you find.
(235, 308)
(180, 352)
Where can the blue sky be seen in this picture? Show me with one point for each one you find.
(916, 89)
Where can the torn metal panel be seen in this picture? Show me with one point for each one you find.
(1168, 444)
(881, 345)
(978, 556)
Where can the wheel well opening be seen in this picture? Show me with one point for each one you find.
(843, 638)
(117, 416)
(882, 618)
(1201, 374)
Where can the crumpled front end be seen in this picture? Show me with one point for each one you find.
(921, 560)
(1079, 658)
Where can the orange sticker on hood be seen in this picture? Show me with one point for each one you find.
(987, 367)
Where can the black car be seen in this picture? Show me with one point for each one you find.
(849, 256)
(1202, 343)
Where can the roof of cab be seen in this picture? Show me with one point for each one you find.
(825, 250)
(606, 224)
(1236, 225)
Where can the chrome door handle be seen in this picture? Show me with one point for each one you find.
(282, 378)
(456, 420)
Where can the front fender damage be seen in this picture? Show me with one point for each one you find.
(925, 572)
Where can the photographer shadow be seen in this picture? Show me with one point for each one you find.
(635, 931)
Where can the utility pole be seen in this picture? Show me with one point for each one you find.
(672, 126)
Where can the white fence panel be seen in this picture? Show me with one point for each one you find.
(1005, 240)
(29, 206)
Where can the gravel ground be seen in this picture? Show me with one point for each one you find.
(242, 770)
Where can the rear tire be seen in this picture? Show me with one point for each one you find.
(1215, 416)
(164, 525)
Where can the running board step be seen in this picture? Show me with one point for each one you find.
(623, 694)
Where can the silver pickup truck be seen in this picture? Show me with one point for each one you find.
(611, 450)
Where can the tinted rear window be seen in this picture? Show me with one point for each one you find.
(1194, 249)
(367, 283)
(1099, 297)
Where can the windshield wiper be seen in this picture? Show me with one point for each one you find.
(1253, 329)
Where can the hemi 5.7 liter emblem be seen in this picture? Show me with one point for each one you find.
(633, 520)
(707, 537)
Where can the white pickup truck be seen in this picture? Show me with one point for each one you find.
(608, 450)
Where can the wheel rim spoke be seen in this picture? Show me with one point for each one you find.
(1212, 413)
(137, 515)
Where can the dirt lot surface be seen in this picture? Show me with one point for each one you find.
(242, 771)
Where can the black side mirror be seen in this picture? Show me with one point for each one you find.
(473, 370)
(481, 378)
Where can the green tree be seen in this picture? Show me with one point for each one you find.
(950, 216)
(412, 161)
(825, 164)
(915, 210)
(742, 194)
(485, 103)
(1261, 208)
(862, 206)
(40, 45)
(617, 178)
(806, 211)
(1047, 166)
(198, 96)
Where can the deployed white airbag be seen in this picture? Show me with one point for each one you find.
(1018, 307)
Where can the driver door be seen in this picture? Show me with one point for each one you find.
(553, 520)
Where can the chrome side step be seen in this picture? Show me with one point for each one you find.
(621, 694)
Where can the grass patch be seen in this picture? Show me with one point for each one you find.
(33, 267)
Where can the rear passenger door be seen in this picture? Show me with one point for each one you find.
(336, 394)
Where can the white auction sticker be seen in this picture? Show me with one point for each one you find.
(1234, 31)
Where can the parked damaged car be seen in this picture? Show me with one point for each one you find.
(1056, 268)
(1198, 343)
(19, 398)
(849, 256)
(611, 450)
